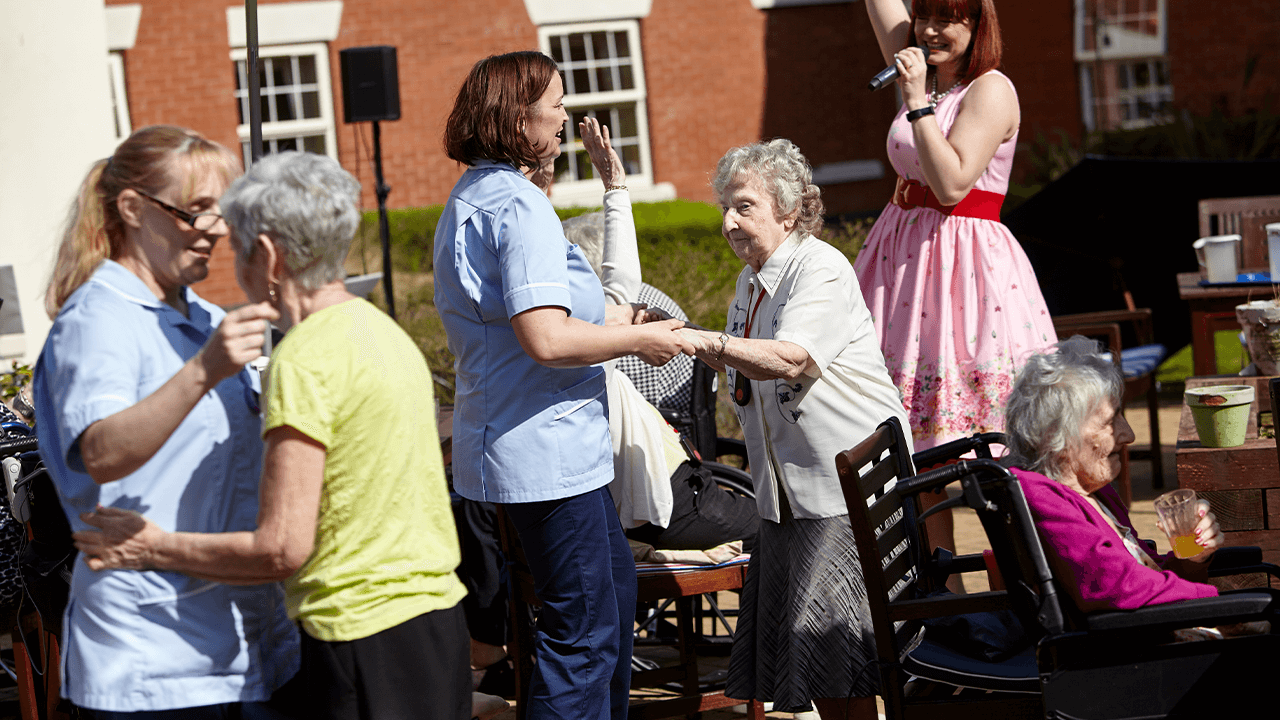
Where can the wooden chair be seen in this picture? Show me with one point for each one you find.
(1137, 365)
(1243, 216)
(687, 587)
(880, 490)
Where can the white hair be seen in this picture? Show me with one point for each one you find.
(785, 173)
(1051, 400)
(306, 203)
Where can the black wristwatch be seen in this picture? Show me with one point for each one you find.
(915, 115)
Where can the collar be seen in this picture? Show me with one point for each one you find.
(483, 164)
(772, 269)
(120, 280)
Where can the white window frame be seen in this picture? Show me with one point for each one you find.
(1124, 43)
(572, 189)
(305, 126)
(119, 97)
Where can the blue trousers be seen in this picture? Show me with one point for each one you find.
(586, 578)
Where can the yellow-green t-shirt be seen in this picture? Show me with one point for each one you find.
(349, 378)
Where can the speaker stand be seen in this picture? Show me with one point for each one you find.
(384, 228)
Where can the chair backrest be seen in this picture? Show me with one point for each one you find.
(1246, 216)
(884, 528)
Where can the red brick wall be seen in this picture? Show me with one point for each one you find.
(1210, 47)
(719, 73)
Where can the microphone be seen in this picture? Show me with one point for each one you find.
(889, 74)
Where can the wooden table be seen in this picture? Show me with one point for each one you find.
(1241, 483)
(1213, 308)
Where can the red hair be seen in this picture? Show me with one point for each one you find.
(985, 45)
(498, 96)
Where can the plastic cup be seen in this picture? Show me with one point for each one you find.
(1178, 512)
(1273, 250)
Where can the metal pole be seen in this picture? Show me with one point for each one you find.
(384, 228)
(255, 91)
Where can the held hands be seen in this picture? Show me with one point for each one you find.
(700, 341)
(238, 340)
(124, 539)
(660, 341)
(912, 72)
(595, 138)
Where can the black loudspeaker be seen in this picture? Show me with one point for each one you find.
(370, 84)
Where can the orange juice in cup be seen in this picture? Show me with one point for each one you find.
(1178, 513)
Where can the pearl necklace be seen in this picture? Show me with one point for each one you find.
(934, 96)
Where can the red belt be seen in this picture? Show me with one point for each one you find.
(978, 203)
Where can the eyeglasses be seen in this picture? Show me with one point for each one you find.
(204, 222)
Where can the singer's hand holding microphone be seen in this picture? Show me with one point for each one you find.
(910, 65)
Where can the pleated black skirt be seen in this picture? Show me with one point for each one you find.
(804, 628)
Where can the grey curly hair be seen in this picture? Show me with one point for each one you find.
(1053, 396)
(785, 172)
(306, 203)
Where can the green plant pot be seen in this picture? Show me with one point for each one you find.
(1221, 413)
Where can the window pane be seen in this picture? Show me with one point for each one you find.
(1122, 76)
(620, 47)
(286, 144)
(627, 122)
(281, 71)
(577, 48)
(562, 168)
(577, 116)
(604, 79)
(1162, 73)
(313, 144)
(631, 159)
(307, 68)
(600, 46)
(264, 103)
(627, 82)
(285, 109)
(311, 104)
(585, 169)
(1141, 74)
(581, 81)
(237, 69)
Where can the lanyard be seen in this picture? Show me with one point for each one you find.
(742, 386)
(755, 312)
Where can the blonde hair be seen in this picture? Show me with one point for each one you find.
(147, 160)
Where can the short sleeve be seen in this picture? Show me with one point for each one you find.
(89, 374)
(297, 398)
(806, 318)
(532, 254)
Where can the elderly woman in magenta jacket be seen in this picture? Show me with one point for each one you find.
(1066, 432)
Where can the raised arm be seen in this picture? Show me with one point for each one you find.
(620, 262)
(289, 503)
(119, 444)
(892, 25)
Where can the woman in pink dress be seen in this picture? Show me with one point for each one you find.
(955, 301)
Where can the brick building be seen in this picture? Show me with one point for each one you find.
(679, 81)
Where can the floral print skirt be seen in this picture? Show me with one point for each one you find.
(958, 309)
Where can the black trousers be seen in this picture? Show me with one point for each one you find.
(703, 515)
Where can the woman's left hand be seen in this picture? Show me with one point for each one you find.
(595, 138)
(912, 73)
(124, 539)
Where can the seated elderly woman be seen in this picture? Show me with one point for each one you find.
(1066, 433)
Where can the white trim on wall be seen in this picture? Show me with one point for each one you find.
(551, 12)
(122, 26)
(770, 4)
(285, 23)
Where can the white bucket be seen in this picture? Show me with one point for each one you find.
(1217, 255)
(1273, 249)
